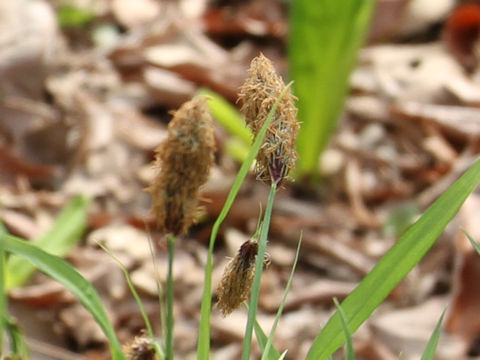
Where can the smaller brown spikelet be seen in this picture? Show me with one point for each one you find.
(237, 279)
(278, 155)
(141, 348)
(184, 160)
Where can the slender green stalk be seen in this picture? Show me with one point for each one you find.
(268, 346)
(262, 245)
(170, 288)
(3, 294)
(203, 347)
(137, 298)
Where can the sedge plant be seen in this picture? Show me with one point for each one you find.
(274, 162)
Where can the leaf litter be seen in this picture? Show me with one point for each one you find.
(83, 111)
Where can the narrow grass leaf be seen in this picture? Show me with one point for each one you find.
(475, 245)
(429, 353)
(349, 353)
(227, 116)
(255, 292)
(3, 293)
(137, 298)
(268, 346)
(325, 36)
(19, 348)
(395, 264)
(59, 240)
(262, 339)
(203, 346)
(283, 356)
(66, 274)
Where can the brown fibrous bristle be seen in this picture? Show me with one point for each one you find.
(234, 287)
(183, 160)
(263, 86)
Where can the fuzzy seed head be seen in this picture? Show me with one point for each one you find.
(140, 349)
(183, 160)
(263, 86)
(237, 279)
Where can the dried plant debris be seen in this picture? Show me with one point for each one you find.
(184, 160)
(263, 86)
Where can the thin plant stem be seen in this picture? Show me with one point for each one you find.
(268, 346)
(203, 346)
(169, 335)
(137, 298)
(3, 294)
(262, 245)
(160, 291)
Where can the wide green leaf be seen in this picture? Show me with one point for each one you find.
(325, 36)
(395, 264)
(66, 274)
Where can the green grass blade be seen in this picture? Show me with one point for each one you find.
(429, 353)
(349, 353)
(266, 350)
(262, 339)
(19, 347)
(475, 245)
(137, 298)
(227, 116)
(64, 273)
(59, 240)
(3, 293)
(203, 346)
(325, 36)
(255, 292)
(395, 264)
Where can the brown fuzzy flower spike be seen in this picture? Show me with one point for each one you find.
(263, 86)
(184, 160)
(140, 349)
(237, 279)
